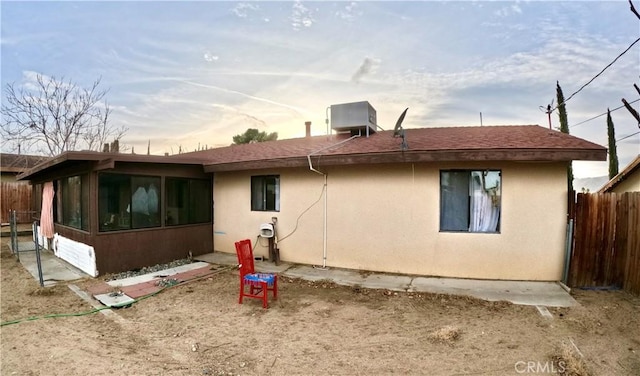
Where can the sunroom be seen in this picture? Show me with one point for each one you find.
(113, 212)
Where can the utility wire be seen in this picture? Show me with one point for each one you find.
(625, 137)
(597, 116)
(598, 75)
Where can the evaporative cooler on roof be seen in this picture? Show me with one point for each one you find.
(350, 117)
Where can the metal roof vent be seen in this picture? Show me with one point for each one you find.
(350, 117)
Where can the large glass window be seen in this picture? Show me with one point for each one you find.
(470, 200)
(72, 201)
(188, 201)
(128, 202)
(265, 193)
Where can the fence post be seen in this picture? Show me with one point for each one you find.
(38, 261)
(14, 233)
(568, 251)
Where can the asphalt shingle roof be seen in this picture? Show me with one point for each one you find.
(489, 143)
(19, 162)
(522, 142)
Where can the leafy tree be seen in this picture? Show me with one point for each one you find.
(52, 116)
(613, 153)
(252, 135)
(564, 128)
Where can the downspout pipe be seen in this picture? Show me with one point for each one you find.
(324, 213)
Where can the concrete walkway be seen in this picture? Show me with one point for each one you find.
(550, 294)
(54, 269)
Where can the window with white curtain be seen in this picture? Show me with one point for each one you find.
(470, 200)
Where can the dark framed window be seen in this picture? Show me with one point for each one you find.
(72, 201)
(188, 201)
(265, 193)
(470, 200)
(128, 202)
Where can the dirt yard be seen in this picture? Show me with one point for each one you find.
(198, 328)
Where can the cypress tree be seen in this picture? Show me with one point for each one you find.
(564, 128)
(613, 152)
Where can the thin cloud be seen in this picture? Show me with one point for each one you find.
(242, 10)
(301, 16)
(508, 10)
(208, 56)
(367, 67)
(298, 110)
(349, 12)
(251, 118)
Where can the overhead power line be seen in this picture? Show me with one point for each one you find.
(597, 75)
(602, 114)
(625, 137)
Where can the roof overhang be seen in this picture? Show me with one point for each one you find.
(531, 155)
(100, 161)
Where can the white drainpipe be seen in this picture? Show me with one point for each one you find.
(324, 229)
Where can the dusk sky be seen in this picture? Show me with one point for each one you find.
(181, 74)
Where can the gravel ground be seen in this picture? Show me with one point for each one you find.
(147, 269)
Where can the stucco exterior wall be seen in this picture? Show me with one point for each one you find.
(630, 184)
(386, 218)
(8, 177)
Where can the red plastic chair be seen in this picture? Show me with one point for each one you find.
(252, 284)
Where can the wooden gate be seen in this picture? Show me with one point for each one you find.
(606, 249)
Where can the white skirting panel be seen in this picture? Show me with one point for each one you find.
(80, 255)
(42, 241)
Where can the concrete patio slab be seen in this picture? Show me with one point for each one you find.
(159, 274)
(340, 276)
(387, 281)
(54, 269)
(534, 293)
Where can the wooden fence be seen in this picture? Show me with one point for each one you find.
(606, 249)
(15, 196)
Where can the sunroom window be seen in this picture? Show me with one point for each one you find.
(72, 201)
(128, 202)
(188, 201)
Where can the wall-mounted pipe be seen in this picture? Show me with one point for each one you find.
(324, 225)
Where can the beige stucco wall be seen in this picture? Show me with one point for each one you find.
(386, 218)
(630, 184)
(8, 177)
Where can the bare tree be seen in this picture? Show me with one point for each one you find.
(53, 116)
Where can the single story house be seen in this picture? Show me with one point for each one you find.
(470, 202)
(627, 180)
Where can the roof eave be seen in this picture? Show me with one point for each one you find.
(539, 155)
(43, 166)
(621, 176)
(105, 159)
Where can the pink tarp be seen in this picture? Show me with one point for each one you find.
(46, 216)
